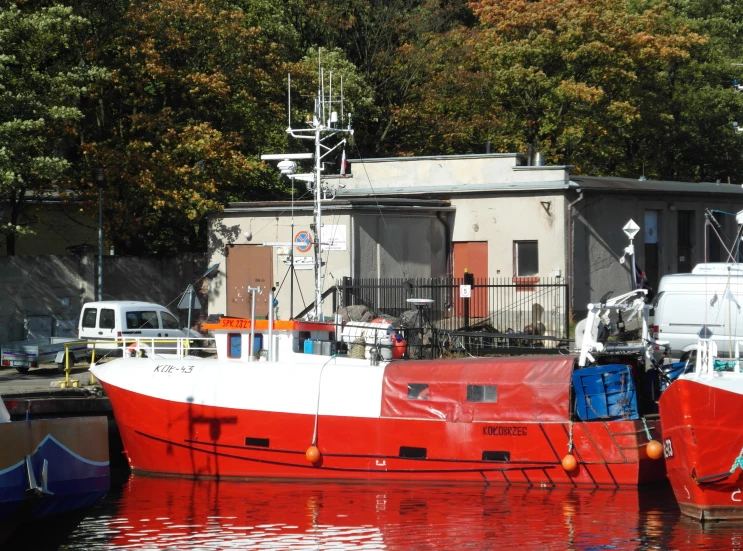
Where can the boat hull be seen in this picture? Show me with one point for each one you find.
(702, 440)
(168, 437)
(75, 451)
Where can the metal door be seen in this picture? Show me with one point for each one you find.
(248, 266)
(473, 257)
(651, 247)
(685, 232)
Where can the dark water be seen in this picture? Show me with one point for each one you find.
(172, 514)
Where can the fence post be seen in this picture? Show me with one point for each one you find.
(346, 284)
(567, 311)
(469, 279)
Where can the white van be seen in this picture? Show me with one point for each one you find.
(688, 305)
(112, 320)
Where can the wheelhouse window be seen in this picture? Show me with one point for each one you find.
(234, 345)
(526, 258)
(417, 391)
(482, 393)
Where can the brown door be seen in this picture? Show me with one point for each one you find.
(473, 257)
(248, 266)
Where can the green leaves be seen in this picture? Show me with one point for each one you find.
(178, 98)
(41, 83)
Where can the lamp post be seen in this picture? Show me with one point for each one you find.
(99, 174)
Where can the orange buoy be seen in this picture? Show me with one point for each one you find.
(569, 463)
(654, 449)
(312, 454)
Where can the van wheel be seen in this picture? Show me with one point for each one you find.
(20, 369)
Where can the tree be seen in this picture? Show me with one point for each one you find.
(41, 83)
(595, 84)
(197, 93)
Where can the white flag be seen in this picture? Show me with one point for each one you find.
(343, 163)
(729, 296)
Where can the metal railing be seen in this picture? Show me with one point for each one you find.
(511, 313)
(139, 346)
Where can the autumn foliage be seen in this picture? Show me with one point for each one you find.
(178, 98)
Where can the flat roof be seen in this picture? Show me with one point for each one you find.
(605, 183)
(360, 203)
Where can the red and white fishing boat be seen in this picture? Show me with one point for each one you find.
(286, 412)
(702, 438)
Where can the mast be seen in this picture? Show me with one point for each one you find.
(324, 126)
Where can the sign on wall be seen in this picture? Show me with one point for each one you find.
(300, 262)
(334, 237)
(303, 241)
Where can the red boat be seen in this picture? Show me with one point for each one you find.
(281, 400)
(300, 415)
(702, 438)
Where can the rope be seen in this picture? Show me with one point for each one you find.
(570, 441)
(317, 408)
(647, 430)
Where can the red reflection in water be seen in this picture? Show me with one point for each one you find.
(181, 514)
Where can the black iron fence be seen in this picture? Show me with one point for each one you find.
(503, 312)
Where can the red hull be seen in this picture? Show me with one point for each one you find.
(176, 438)
(702, 438)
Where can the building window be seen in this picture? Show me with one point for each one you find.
(526, 258)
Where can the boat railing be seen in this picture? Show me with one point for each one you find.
(179, 347)
(709, 362)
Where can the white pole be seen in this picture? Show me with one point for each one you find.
(634, 269)
(318, 225)
(252, 291)
(270, 326)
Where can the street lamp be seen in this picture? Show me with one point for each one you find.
(99, 173)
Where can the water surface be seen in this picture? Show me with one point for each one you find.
(174, 514)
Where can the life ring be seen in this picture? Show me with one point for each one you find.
(132, 350)
(423, 394)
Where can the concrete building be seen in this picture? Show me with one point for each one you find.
(488, 214)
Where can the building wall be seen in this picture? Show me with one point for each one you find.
(599, 240)
(400, 246)
(396, 245)
(57, 286)
(501, 220)
(275, 228)
(57, 228)
(465, 172)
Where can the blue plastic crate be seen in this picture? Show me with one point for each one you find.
(605, 392)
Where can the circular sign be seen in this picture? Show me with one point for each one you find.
(303, 241)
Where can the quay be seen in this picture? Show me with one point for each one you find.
(38, 394)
